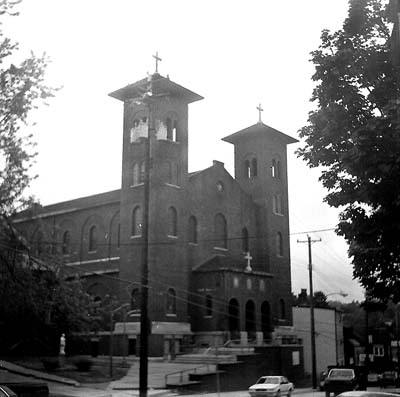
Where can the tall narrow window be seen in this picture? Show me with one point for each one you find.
(137, 221)
(278, 170)
(247, 169)
(171, 301)
(175, 131)
(245, 240)
(168, 172)
(273, 168)
(66, 243)
(93, 239)
(277, 204)
(136, 174)
(209, 305)
(221, 231)
(279, 244)
(253, 170)
(172, 222)
(169, 128)
(192, 229)
(142, 175)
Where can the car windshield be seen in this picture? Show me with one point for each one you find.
(269, 379)
(341, 373)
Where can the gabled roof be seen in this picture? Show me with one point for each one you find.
(259, 129)
(63, 207)
(161, 85)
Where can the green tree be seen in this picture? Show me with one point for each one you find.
(36, 301)
(353, 135)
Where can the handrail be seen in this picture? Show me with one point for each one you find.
(181, 372)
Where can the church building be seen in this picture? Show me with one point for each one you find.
(218, 257)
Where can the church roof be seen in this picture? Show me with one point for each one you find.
(259, 129)
(161, 85)
(221, 263)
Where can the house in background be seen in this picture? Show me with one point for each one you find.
(329, 340)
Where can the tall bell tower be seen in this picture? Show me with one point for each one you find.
(155, 107)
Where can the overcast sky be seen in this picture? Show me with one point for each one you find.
(236, 54)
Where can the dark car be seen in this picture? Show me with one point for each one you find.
(340, 380)
(388, 378)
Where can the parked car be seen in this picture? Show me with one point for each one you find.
(271, 386)
(364, 393)
(340, 380)
(388, 378)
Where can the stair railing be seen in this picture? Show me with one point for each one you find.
(189, 370)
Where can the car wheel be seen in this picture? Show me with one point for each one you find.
(278, 393)
(289, 393)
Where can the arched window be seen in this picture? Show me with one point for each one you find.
(221, 231)
(245, 240)
(142, 174)
(273, 169)
(253, 171)
(168, 124)
(277, 204)
(137, 221)
(135, 300)
(192, 229)
(172, 222)
(209, 305)
(276, 169)
(136, 174)
(279, 244)
(175, 131)
(66, 243)
(168, 172)
(93, 239)
(282, 309)
(171, 301)
(247, 169)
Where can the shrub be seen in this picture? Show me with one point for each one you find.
(83, 364)
(50, 363)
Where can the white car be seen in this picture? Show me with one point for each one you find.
(271, 386)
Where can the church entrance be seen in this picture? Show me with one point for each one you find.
(234, 316)
(251, 319)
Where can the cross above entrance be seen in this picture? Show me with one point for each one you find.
(260, 109)
(248, 257)
(157, 58)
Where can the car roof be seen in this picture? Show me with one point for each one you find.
(363, 393)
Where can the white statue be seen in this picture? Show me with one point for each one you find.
(62, 345)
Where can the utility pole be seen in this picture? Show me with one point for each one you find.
(144, 318)
(309, 241)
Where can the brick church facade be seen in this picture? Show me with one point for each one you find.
(218, 256)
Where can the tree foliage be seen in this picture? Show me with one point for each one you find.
(22, 88)
(353, 135)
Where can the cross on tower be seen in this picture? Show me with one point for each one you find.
(248, 257)
(260, 109)
(157, 58)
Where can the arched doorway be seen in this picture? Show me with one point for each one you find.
(251, 319)
(266, 319)
(234, 318)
